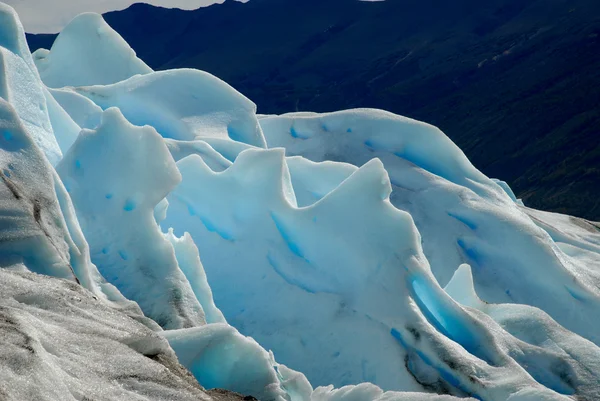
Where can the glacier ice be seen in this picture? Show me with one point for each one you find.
(188, 260)
(20, 84)
(309, 190)
(504, 185)
(33, 230)
(59, 342)
(107, 173)
(40, 232)
(217, 353)
(359, 248)
(83, 112)
(375, 308)
(463, 216)
(554, 356)
(88, 52)
(348, 135)
(182, 104)
(64, 128)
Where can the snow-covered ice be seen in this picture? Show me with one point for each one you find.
(59, 342)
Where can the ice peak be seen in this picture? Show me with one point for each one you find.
(12, 35)
(88, 52)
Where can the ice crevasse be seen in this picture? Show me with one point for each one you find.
(355, 255)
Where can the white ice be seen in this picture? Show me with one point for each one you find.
(108, 173)
(182, 104)
(20, 84)
(88, 52)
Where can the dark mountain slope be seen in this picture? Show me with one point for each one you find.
(513, 82)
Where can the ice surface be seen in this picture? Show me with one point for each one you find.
(367, 391)
(188, 260)
(33, 231)
(312, 181)
(84, 112)
(108, 173)
(577, 238)
(88, 52)
(40, 231)
(348, 135)
(219, 357)
(376, 310)
(64, 128)
(554, 356)
(567, 230)
(363, 248)
(215, 160)
(59, 342)
(463, 216)
(252, 255)
(504, 185)
(20, 84)
(182, 104)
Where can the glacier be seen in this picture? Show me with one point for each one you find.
(89, 52)
(162, 240)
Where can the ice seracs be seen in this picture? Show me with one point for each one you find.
(182, 104)
(378, 298)
(83, 112)
(220, 357)
(107, 173)
(538, 341)
(188, 260)
(20, 84)
(362, 248)
(88, 52)
(34, 232)
(64, 128)
(463, 216)
(349, 135)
